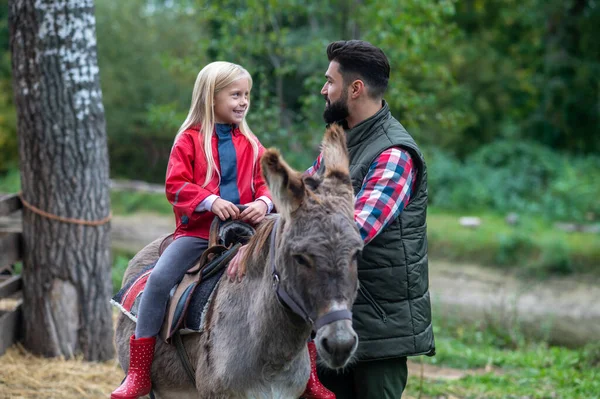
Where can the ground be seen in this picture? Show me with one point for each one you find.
(25, 376)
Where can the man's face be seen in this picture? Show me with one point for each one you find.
(335, 93)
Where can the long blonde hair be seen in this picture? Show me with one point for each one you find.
(213, 78)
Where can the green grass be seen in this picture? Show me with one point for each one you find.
(124, 203)
(528, 370)
(534, 245)
(120, 262)
(10, 182)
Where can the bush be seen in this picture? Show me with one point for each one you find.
(574, 194)
(522, 177)
(120, 262)
(591, 356)
(514, 248)
(554, 258)
(10, 182)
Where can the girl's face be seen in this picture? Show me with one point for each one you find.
(232, 102)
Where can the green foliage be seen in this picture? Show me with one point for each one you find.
(591, 356)
(464, 74)
(555, 258)
(281, 43)
(569, 78)
(10, 181)
(514, 247)
(531, 69)
(574, 194)
(8, 130)
(136, 41)
(120, 262)
(127, 202)
(419, 38)
(511, 176)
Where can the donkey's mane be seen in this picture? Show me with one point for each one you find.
(255, 257)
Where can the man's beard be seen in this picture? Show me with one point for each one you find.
(337, 111)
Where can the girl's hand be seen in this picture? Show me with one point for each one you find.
(255, 212)
(236, 269)
(225, 209)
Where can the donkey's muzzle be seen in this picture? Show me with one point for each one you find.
(337, 343)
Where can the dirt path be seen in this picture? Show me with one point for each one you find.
(133, 232)
(563, 310)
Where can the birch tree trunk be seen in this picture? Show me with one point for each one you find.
(64, 172)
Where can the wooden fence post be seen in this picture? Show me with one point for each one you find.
(11, 298)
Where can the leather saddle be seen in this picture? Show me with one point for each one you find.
(225, 238)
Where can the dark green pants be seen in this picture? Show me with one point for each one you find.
(377, 379)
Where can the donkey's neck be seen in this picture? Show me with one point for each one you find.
(257, 339)
(277, 332)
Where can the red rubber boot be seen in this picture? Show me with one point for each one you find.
(314, 388)
(137, 383)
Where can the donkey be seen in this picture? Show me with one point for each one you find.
(253, 345)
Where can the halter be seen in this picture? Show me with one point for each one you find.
(297, 307)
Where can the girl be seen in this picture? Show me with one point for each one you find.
(214, 165)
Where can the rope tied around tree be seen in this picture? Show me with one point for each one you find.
(81, 222)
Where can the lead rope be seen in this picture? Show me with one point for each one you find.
(81, 222)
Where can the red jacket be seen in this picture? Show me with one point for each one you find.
(186, 173)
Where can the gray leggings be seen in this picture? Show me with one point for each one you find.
(169, 270)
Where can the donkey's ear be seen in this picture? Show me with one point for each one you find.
(335, 154)
(312, 182)
(285, 184)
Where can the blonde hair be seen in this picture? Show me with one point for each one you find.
(213, 78)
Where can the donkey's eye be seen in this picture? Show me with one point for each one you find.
(302, 260)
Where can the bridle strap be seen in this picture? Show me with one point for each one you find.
(298, 307)
(282, 294)
(330, 317)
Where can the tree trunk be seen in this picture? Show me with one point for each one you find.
(64, 172)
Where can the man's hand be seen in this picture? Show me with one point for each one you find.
(236, 270)
(225, 209)
(255, 212)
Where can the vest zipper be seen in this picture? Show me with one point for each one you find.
(367, 295)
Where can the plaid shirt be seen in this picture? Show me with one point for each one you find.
(385, 191)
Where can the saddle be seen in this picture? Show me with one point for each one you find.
(225, 239)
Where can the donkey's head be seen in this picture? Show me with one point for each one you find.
(319, 241)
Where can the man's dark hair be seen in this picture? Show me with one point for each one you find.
(361, 60)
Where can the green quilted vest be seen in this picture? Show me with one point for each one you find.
(392, 313)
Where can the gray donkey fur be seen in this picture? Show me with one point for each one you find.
(252, 346)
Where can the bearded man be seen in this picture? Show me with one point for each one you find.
(392, 313)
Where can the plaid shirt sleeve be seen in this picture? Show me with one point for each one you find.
(386, 190)
(315, 166)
